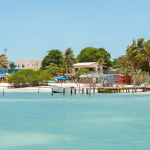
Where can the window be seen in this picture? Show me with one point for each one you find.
(76, 69)
(23, 65)
(18, 66)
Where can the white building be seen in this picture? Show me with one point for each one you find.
(29, 64)
(91, 66)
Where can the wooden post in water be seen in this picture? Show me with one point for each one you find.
(90, 88)
(63, 91)
(75, 91)
(38, 90)
(87, 91)
(52, 92)
(93, 90)
(3, 92)
(82, 90)
(79, 84)
(71, 91)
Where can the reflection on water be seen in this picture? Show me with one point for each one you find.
(29, 120)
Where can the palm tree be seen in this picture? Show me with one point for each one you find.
(3, 62)
(12, 65)
(62, 66)
(101, 63)
(145, 54)
(69, 58)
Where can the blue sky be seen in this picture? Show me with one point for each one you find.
(30, 28)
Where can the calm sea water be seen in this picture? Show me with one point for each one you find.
(33, 121)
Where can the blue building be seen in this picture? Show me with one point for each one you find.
(13, 71)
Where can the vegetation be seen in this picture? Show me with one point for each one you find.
(53, 56)
(3, 61)
(101, 64)
(12, 65)
(29, 77)
(91, 54)
(53, 69)
(82, 71)
(69, 59)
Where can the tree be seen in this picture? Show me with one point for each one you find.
(3, 61)
(12, 65)
(106, 56)
(69, 59)
(53, 69)
(29, 77)
(88, 54)
(53, 56)
(101, 64)
(82, 71)
(62, 66)
(91, 54)
(116, 64)
(145, 55)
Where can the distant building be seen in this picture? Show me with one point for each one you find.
(29, 64)
(91, 66)
(13, 71)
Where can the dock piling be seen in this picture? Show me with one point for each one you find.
(3, 92)
(75, 91)
(82, 90)
(71, 92)
(52, 92)
(63, 91)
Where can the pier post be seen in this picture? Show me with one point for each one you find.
(75, 91)
(79, 85)
(52, 92)
(87, 91)
(38, 90)
(93, 90)
(63, 91)
(126, 90)
(3, 92)
(71, 91)
(82, 90)
(90, 90)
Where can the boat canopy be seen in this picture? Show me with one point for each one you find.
(62, 79)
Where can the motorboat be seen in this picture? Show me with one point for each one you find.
(57, 89)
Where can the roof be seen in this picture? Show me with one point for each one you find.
(84, 64)
(62, 78)
(91, 76)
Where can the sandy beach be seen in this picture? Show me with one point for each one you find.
(6, 86)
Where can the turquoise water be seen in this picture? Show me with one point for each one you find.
(33, 121)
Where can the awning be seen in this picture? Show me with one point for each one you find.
(62, 79)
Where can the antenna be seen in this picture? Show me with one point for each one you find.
(5, 49)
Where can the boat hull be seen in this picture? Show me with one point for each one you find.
(57, 89)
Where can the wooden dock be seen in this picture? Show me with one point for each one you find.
(120, 89)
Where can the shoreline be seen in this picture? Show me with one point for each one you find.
(5, 86)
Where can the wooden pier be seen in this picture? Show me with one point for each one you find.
(120, 89)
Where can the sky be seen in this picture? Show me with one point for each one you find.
(30, 28)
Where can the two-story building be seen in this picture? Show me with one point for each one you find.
(29, 64)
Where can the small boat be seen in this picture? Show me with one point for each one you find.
(57, 89)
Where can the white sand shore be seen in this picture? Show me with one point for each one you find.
(48, 89)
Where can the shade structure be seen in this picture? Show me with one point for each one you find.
(64, 79)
